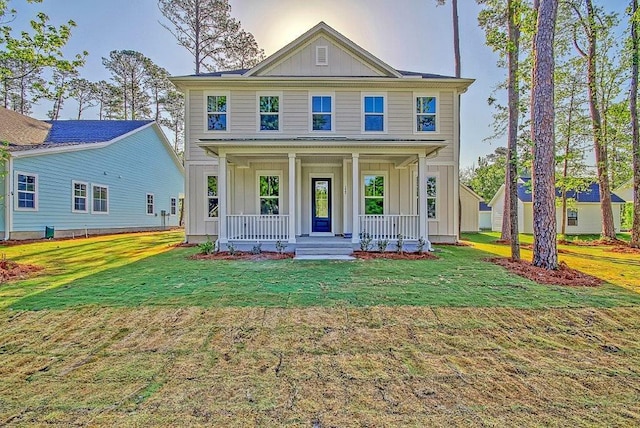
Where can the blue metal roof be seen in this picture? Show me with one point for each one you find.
(90, 131)
(484, 206)
(590, 194)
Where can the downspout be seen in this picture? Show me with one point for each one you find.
(8, 202)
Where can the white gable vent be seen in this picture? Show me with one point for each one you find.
(322, 55)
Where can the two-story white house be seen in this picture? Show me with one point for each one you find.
(321, 139)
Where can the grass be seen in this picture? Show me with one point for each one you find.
(126, 277)
(619, 269)
(145, 337)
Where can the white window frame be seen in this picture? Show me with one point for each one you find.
(87, 200)
(385, 113)
(269, 173)
(206, 197)
(279, 113)
(332, 95)
(152, 205)
(326, 55)
(416, 95)
(385, 188)
(173, 205)
(35, 192)
(433, 174)
(104, 186)
(208, 94)
(576, 217)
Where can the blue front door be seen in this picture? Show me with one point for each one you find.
(321, 205)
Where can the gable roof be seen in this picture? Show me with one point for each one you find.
(322, 29)
(590, 194)
(484, 207)
(90, 131)
(470, 191)
(20, 130)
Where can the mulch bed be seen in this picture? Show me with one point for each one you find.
(369, 255)
(625, 250)
(563, 276)
(11, 270)
(243, 255)
(594, 243)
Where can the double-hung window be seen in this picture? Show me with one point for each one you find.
(426, 118)
(572, 217)
(150, 204)
(374, 194)
(432, 197)
(217, 112)
(27, 191)
(100, 196)
(321, 113)
(269, 106)
(80, 196)
(374, 113)
(212, 196)
(173, 206)
(269, 188)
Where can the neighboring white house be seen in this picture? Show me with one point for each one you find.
(484, 216)
(583, 216)
(625, 190)
(321, 139)
(469, 204)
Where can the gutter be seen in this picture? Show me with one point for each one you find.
(8, 203)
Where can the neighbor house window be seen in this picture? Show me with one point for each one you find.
(80, 197)
(572, 217)
(426, 114)
(100, 198)
(432, 197)
(217, 112)
(27, 191)
(373, 194)
(173, 206)
(373, 110)
(269, 112)
(150, 204)
(212, 196)
(269, 194)
(321, 113)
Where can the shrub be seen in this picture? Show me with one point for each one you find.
(257, 249)
(382, 245)
(231, 249)
(365, 241)
(280, 247)
(420, 246)
(207, 247)
(400, 244)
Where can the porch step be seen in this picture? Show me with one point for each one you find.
(321, 251)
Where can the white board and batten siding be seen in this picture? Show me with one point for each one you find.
(130, 168)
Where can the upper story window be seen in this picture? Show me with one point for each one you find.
(426, 114)
(217, 112)
(374, 113)
(173, 206)
(80, 197)
(322, 112)
(269, 112)
(212, 196)
(27, 191)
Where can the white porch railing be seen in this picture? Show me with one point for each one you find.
(258, 227)
(389, 226)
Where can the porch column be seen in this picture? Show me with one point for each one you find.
(222, 198)
(355, 191)
(298, 197)
(292, 198)
(422, 199)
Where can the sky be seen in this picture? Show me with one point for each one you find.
(412, 35)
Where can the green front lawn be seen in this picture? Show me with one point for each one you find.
(118, 275)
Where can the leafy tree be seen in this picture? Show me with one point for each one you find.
(109, 98)
(158, 84)
(84, 93)
(545, 252)
(57, 90)
(489, 175)
(174, 119)
(206, 29)
(129, 72)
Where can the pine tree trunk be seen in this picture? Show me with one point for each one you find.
(633, 105)
(512, 136)
(545, 252)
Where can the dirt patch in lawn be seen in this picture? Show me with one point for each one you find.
(11, 270)
(625, 250)
(564, 275)
(369, 255)
(594, 243)
(224, 255)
